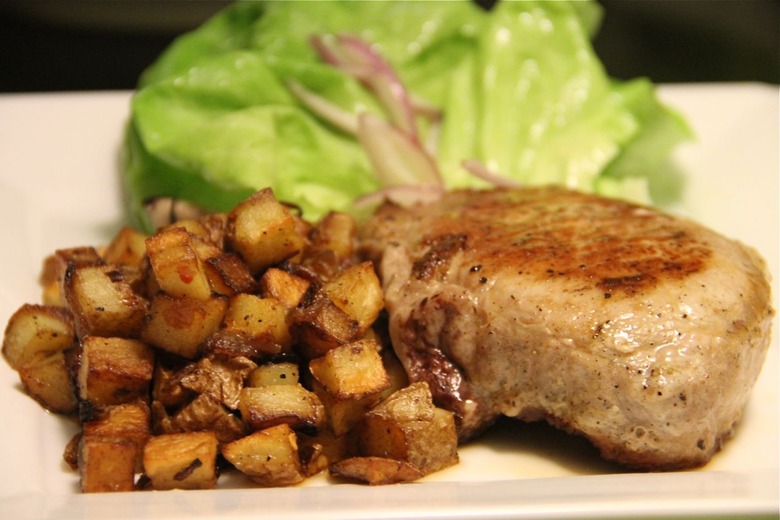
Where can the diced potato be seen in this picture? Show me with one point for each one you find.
(177, 269)
(229, 275)
(182, 461)
(319, 325)
(274, 374)
(263, 231)
(269, 457)
(408, 427)
(181, 325)
(204, 413)
(351, 370)
(343, 414)
(261, 321)
(103, 302)
(34, 330)
(376, 470)
(336, 231)
(54, 267)
(128, 421)
(265, 406)
(128, 247)
(107, 464)
(221, 377)
(285, 287)
(321, 450)
(114, 370)
(358, 292)
(46, 379)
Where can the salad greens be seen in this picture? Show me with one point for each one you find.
(520, 89)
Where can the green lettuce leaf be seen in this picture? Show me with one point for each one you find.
(520, 88)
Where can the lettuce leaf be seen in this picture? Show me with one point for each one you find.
(520, 87)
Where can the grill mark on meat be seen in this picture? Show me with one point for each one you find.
(438, 252)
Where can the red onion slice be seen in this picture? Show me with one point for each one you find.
(478, 169)
(333, 114)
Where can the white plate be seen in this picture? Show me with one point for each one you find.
(59, 188)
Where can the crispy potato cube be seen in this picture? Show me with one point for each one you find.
(336, 231)
(261, 321)
(128, 247)
(103, 302)
(228, 274)
(107, 464)
(182, 460)
(343, 414)
(285, 287)
(54, 267)
(263, 231)
(47, 380)
(268, 457)
(376, 471)
(284, 373)
(114, 370)
(204, 413)
(177, 269)
(34, 330)
(318, 325)
(129, 421)
(265, 406)
(408, 427)
(181, 325)
(351, 370)
(221, 377)
(357, 291)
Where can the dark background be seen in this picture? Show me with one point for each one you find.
(64, 45)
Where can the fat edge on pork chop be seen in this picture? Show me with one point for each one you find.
(641, 331)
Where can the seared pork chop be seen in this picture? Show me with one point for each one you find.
(641, 331)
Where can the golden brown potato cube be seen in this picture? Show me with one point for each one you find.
(54, 267)
(336, 232)
(127, 247)
(268, 457)
(263, 231)
(129, 421)
(351, 370)
(203, 413)
(177, 269)
(284, 373)
(103, 302)
(343, 414)
(221, 377)
(114, 370)
(34, 330)
(107, 464)
(321, 450)
(408, 427)
(180, 325)
(285, 287)
(228, 274)
(46, 379)
(376, 471)
(261, 321)
(357, 291)
(265, 406)
(319, 325)
(182, 461)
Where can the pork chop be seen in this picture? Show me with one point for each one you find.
(641, 331)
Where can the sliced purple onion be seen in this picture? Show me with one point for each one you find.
(478, 169)
(320, 106)
(402, 195)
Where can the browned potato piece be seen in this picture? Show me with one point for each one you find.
(107, 464)
(285, 287)
(127, 247)
(54, 267)
(180, 325)
(128, 421)
(351, 370)
(221, 377)
(269, 457)
(274, 374)
(103, 302)
(263, 231)
(319, 325)
(357, 291)
(34, 330)
(182, 460)
(343, 414)
(46, 379)
(262, 322)
(408, 427)
(114, 370)
(265, 406)
(336, 232)
(177, 269)
(228, 274)
(205, 412)
(319, 451)
(376, 471)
